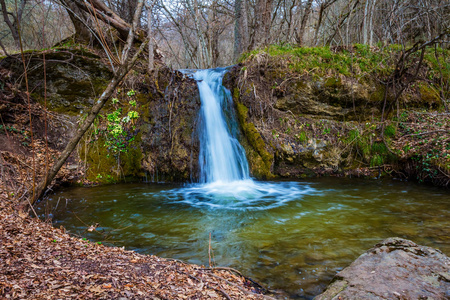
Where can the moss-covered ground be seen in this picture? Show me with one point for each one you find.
(330, 111)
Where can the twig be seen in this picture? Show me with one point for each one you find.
(226, 269)
(427, 132)
(241, 288)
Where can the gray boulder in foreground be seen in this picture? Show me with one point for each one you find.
(394, 269)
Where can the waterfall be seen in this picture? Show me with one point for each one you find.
(225, 182)
(222, 158)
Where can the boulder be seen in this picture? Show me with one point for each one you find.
(394, 269)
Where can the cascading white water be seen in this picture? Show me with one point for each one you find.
(225, 182)
(222, 158)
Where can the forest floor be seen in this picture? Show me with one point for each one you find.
(38, 261)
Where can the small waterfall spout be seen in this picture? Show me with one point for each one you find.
(222, 158)
(225, 182)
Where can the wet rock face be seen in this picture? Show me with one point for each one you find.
(333, 98)
(273, 124)
(170, 141)
(394, 269)
(165, 146)
(74, 78)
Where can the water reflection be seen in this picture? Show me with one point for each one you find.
(292, 236)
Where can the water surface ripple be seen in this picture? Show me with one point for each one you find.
(292, 236)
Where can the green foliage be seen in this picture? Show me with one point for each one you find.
(376, 160)
(379, 148)
(361, 142)
(119, 128)
(133, 115)
(301, 137)
(359, 61)
(21, 133)
(352, 136)
(389, 131)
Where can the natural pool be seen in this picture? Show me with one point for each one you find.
(290, 242)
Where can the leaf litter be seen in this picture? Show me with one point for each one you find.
(38, 261)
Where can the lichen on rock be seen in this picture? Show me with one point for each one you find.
(393, 269)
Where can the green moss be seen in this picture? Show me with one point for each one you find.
(376, 160)
(379, 148)
(361, 142)
(429, 94)
(363, 146)
(358, 61)
(103, 167)
(390, 131)
(333, 82)
(259, 158)
(302, 137)
(378, 94)
(351, 137)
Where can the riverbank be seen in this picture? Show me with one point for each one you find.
(341, 133)
(38, 261)
(344, 111)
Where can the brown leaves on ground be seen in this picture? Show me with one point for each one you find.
(38, 261)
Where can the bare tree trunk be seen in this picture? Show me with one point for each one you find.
(263, 20)
(118, 77)
(79, 21)
(319, 22)
(365, 24)
(372, 13)
(322, 9)
(301, 31)
(99, 10)
(240, 28)
(13, 24)
(151, 54)
(213, 34)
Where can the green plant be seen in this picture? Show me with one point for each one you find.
(389, 131)
(275, 134)
(133, 115)
(120, 128)
(376, 160)
(301, 137)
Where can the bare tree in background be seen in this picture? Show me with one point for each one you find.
(126, 63)
(210, 33)
(13, 18)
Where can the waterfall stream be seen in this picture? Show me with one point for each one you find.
(225, 181)
(222, 158)
(292, 236)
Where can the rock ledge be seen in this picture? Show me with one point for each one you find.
(393, 269)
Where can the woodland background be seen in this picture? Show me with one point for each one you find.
(211, 33)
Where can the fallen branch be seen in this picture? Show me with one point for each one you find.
(427, 132)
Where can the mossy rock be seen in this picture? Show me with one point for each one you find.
(260, 160)
(429, 95)
(108, 167)
(74, 78)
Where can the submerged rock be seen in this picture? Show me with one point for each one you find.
(394, 269)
